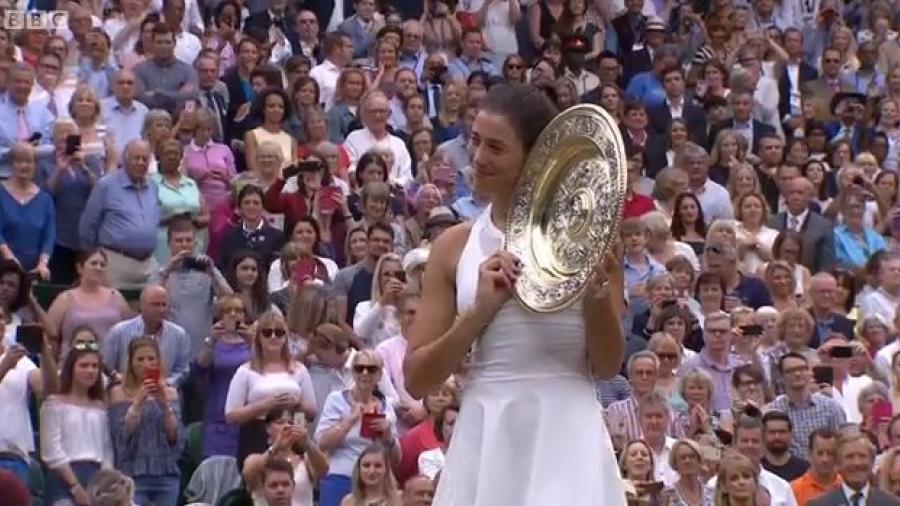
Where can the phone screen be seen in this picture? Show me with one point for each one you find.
(882, 411)
(153, 375)
(31, 337)
(823, 374)
(841, 351)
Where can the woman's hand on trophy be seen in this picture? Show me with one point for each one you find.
(607, 277)
(496, 279)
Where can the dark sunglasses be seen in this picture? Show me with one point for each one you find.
(371, 369)
(272, 333)
(86, 346)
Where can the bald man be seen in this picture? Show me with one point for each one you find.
(121, 218)
(815, 229)
(823, 290)
(174, 344)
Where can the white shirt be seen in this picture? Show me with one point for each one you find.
(795, 222)
(337, 17)
(878, 302)
(676, 110)
(62, 95)
(362, 140)
(374, 322)
(276, 280)
(883, 359)
(779, 490)
(187, 47)
(16, 432)
(850, 396)
(849, 493)
(715, 201)
(326, 75)
(431, 462)
(70, 433)
(793, 72)
(661, 469)
(248, 386)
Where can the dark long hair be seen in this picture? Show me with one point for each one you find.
(152, 18)
(525, 106)
(21, 297)
(678, 226)
(95, 392)
(259, 295)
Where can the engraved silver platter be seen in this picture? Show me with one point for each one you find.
(567, 207)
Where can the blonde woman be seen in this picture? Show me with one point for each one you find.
(272, 378)
(84, 109)
(352, 419)
(376, 320)
(743, 180)
(636, 463)
(728, 150)
(754, 237)
(309, 307)
(685, 458)
(660, 243)
(670, 355)
(373, 481)
(452, 109)
(841, 38)
(737, 483)
(780, 280)
(696, 388)
(889, 471)
(158, 125)
(722, 231)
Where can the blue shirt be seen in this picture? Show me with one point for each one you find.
(458, 152)
(69, 197)
(174, 347)
(39, 120)
(99, 79)
(642, 273)
(646, 88)
(121, 216)
(28, 229)
(461, 67)
(850, 253)
(124, 124)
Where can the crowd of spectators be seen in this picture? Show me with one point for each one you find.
(215, 218)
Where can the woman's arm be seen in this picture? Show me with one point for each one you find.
(275, 199)
(55, 316)
(440, 340)
(534, 25)
(171, 415)
(250, 151)
(515, 12)
(201, 221)
(602, 323)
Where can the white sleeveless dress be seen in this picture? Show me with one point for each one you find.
(530, 430)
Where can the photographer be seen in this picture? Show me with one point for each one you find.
(440, 29)
(193, 282)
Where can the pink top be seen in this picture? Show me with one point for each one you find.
(200, 164)
(393, 351)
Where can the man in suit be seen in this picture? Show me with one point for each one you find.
(276, 14)
(822, 89)
(818, 243)
(630, 27)
(742, 120)
(305, 37)
(822, 290)
(850, 109)
(855, 459)
(792, 75)
(675, 106)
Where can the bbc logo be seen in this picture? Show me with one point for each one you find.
(35, 20)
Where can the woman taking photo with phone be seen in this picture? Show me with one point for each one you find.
(145, 423)
(376, 319)
(351, 420)
(75, 438)
(467, 298)
(272, 378)
(223, 352)
(289, 440)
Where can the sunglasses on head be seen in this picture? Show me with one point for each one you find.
(361, 368)
(86, 346)
(272, 333)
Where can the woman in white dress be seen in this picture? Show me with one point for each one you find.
(529, 403)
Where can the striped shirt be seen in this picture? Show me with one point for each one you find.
(174, 347)
(818, 411)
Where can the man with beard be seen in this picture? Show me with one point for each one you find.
(778, 458)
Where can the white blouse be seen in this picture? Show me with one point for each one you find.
(70, 432)
(248, 386)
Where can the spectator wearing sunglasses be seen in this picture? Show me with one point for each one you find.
(270, 379)
(353, 419)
